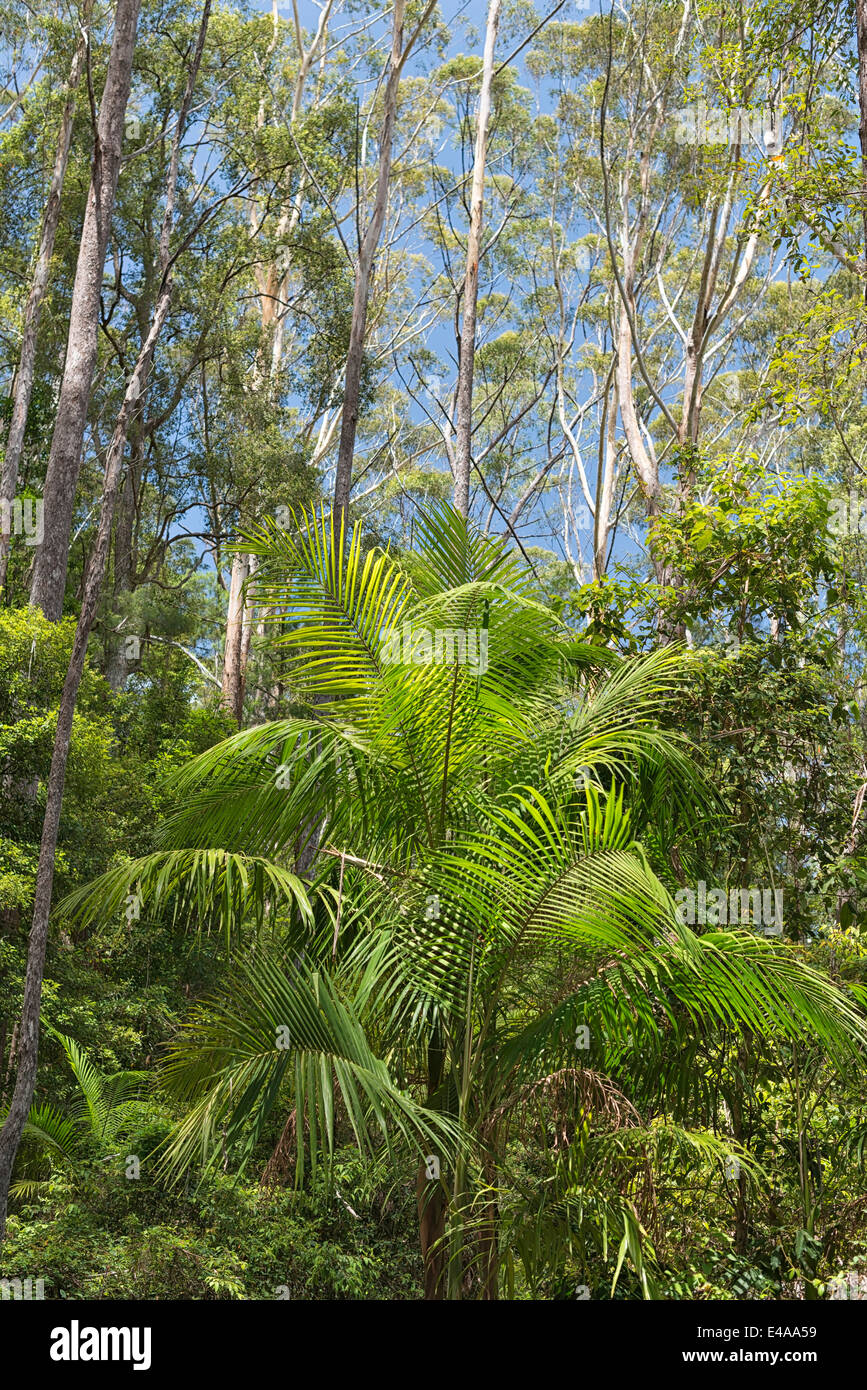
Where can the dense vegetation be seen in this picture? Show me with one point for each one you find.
(433, 732)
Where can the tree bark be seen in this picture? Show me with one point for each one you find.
(23, 388)
(605, 485)
(117, 664)
(247, 623)
(466, 364)
(431, 1198)
(432, 1208)
(230, 691)
(28, 1056)
(64, 462)
(644, 462)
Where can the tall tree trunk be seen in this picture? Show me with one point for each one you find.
(432, 1208)
(28, 1054)
(272, 283)
(364, 266)
(64, 461)
(643, 459)
(231, 696)
(247, 624)
(466, 364)
(605, 484)
(861, 28)
(23, 387)
(117, 663)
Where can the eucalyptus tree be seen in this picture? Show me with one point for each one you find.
(467, 351)
(401, 48)
(24, 373)
(677, 131)
(64, 461)
(487, 324)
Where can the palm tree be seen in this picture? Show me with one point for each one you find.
(93, 1123)
(481, 933)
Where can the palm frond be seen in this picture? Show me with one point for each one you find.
(279, 1030)
(50, 1129)
(214, 889)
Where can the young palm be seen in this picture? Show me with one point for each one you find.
(480, 914)
(104, 1106)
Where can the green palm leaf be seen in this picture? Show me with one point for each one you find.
(280, 1032)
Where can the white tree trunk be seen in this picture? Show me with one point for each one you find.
(471, 279)
(230, 690)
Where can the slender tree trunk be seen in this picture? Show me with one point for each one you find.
(694, 347)
(247, 624)
(861, 28)
(431, 1199)
(231, 697)
(364, 267)
(432, 1208)
(64, 461)
(646, 466)
(742, 1215)
(644, 461)
(489, 1251)
(125, 525)
(23, 388)
(28, 1054)
(466, 363)
(605, 485)
(117, 663)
